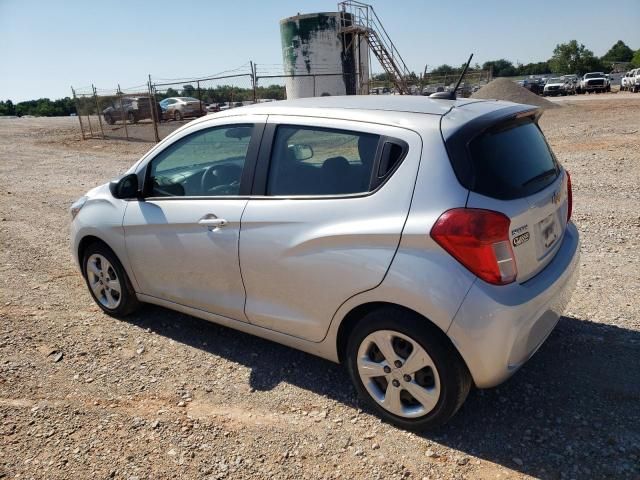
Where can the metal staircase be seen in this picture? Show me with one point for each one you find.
(359, 20)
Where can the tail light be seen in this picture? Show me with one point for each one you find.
(569, 197)
(479, 239)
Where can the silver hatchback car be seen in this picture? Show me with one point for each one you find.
(424, 243)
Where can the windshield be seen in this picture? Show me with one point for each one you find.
(188, 99)
(555, 80)
(593, 75)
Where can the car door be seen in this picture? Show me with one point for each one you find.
(182, 238)
(322, 225)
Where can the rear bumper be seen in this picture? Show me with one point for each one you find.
(498, 328)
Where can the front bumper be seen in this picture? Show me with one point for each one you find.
(498, 328)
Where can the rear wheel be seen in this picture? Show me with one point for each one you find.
(109, 119)
(406, 369)
(132, 117)
(108, 282)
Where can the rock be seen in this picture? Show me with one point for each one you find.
(57, 357)
(140, 350)
(432, 454)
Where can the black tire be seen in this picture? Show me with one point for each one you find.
(109, 119)
(455, 380)
(128, 302)
(177, 116)
(132, 117)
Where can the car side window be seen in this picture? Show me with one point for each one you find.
(320, 161)
(206, 163)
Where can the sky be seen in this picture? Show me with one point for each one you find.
(47, 46)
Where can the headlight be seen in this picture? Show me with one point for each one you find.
(77, 205)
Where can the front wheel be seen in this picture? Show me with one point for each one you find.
(406, 369)
(108, 282)
(177, 116)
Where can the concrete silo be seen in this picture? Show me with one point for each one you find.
(324, 60)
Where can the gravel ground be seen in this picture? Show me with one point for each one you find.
(164, 395)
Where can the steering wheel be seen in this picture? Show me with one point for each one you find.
(226, 179)
(209, 171)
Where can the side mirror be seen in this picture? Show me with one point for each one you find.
(301, 151)
(125, 187)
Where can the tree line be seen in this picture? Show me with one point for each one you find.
(567, 58)
(43, 107)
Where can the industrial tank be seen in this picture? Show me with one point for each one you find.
(324, 60)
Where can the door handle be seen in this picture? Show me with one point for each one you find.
(212, 222)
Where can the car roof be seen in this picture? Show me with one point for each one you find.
(387, 103)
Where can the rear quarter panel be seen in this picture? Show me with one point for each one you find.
(423, 277)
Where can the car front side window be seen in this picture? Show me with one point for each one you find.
(206, 163)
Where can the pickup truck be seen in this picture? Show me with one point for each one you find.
(595, 82)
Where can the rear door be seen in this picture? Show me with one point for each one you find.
(517, 174)
(330, 201)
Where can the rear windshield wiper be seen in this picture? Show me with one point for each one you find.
(541, 176)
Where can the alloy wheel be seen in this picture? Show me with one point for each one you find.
(104, 281)
(398, 373)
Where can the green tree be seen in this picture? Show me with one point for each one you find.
(635, 61)
(188, 91)
(574, 58)
(539, 68)
(443, 70)
(500, 68)
(620, 52)
(7, 108)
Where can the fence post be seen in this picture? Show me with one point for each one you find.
(253, 79)
(123, 113)
(89, 122)
(199, 97)
(154, 112)
(75, 100)
(95, 97)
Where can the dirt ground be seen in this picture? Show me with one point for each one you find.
(164, 395)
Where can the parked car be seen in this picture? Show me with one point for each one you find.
(594, 82)
(177, 108)
(131, 109)
(433, 88)
(571, 84)
(626, 81)
(394, 234)
(634, 81)
(555, 86)
(535, 85)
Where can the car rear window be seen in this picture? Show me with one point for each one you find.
(512, 160)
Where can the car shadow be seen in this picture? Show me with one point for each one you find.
(573, 411)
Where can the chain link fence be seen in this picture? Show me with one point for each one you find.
(87, 110)
(276, 87)
(180, 101)
(432, 83)
(150, 112)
